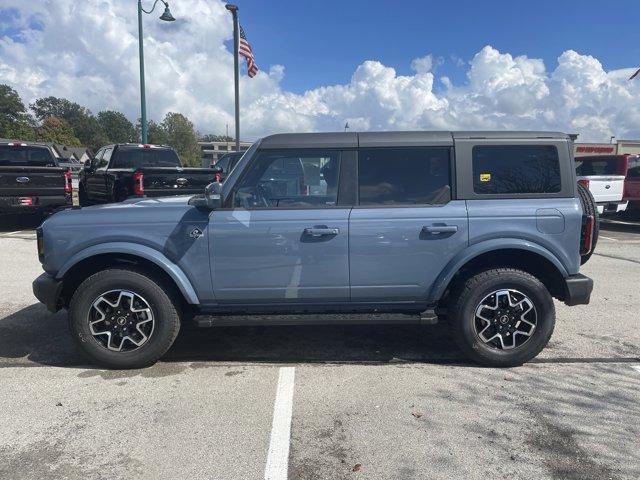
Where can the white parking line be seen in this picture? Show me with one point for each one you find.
(278, 457)
(11, 233)
(636, 368)
(609, 238)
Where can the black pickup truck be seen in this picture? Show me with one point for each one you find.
(31, 180)
(131, 170)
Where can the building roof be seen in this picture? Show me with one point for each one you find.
(380, 139)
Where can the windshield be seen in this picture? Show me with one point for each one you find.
(145, 157)
(634, 167)
(25, 156)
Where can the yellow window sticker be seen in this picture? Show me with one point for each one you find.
(485, 177)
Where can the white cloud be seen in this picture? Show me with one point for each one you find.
(87, 51)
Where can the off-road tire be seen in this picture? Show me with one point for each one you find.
(467, 296)
(589, 207)
(161, 298)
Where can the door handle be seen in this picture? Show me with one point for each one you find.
(437, 229)
(321, 231)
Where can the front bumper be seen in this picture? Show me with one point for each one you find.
(48, 289)
(577, 289)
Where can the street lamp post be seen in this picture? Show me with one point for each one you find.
(167, 17)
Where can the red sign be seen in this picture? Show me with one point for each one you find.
(593, 149)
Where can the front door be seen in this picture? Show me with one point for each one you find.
(406, 227)
(284, 238)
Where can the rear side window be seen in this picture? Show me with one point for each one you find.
(145, 157)
(25, 156)
(513, 169)
(404, 176)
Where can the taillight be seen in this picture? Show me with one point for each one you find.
(68, 185)
(138, 184)
(584, 182)
(588, 224)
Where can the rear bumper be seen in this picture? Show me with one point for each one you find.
(47, 289)
(611, 207)
(9, 205)
(577, 289)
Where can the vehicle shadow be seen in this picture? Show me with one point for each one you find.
(35, 335)
(11, 223)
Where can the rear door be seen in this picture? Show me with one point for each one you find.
(520, 190)
(284, 239)
(91, 181)
(407, 225)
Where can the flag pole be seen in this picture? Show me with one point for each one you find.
(236, 68)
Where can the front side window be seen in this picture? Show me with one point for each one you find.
(104, 160)
(290, 179)
(404, 176)
(516, 169)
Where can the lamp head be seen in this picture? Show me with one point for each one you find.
(166, 16)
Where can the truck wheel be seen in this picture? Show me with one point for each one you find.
(120, 318)
(589, 207)
(502, 317)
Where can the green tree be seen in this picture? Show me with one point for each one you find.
(181, 135)
(216, 138)
(57, 130)
(155, 133)
(85, 125)
(15, 121)
(117, 128)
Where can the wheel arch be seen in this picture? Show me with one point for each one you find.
(516, 253)
(99, 257)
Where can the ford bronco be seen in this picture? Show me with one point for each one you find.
(480, 230)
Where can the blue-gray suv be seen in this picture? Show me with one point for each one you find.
(477, 229)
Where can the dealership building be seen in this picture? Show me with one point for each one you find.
(621, 147)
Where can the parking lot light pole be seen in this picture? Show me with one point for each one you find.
(236, 69)
(167, 17)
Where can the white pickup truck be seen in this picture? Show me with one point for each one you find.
(604, 176)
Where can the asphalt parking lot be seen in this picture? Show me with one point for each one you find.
(374, 402)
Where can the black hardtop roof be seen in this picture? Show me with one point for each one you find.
(395, 138)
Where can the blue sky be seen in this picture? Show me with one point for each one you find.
(463, 65)
(322, 42)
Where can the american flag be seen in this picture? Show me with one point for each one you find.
(245, 50)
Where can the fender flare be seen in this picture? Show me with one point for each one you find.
(142, 251)
(473, 251)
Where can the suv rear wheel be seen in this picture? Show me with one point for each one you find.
(120, 318)
(502, 317)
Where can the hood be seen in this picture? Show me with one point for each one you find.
(135, 211)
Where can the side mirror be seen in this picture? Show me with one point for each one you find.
(212, 198)
(87, 166)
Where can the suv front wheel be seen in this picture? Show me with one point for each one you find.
(120, 318)
(501, 317)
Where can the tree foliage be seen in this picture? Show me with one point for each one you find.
(57, 130)
(84, 124)
(181, 135)
(116, 127)
(216, 138)
(15, 122)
